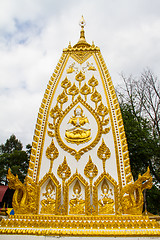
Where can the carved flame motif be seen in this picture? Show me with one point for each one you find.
(65, 83)
(64, 170)
(102, 110)
(90, 169)
(93, 82)
(62, 98)
(52, 153)
(103, 153)
(96, 97)
(73, 90)
(55, 113)
(85, 90)
(91, 172)
(80, 77)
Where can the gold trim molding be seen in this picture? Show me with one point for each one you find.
(80, 226)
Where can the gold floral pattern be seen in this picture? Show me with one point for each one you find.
(64, 170)
(52, 153)
(103, 153)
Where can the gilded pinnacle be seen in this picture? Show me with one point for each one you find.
(82, 41)
(82, 24)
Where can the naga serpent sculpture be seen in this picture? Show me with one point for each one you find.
(131, 196)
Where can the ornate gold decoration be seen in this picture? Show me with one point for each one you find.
(50, 133)
(131, 196)
(81, 51)
(106, 203)
(25, 195)
(55, 113)
(37, 148)
(91, 171)
(82, 203)
(71, 68)
(79, 56)
(80, 77)
(65, 83)
(49, 201)
(93, 82)
(52, 197)
(110, 225)
(85, 90)
(91, 67)
(82, 41)
(118, 130)
(52, 153)
(64, 170)
(77, 203)
(96, 97)
(72, 151)
(102, 110)
(103, 153)
(62, 98)
(100, 203)
(78, 134)
(73, 90)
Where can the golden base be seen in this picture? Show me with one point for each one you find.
(74, 225)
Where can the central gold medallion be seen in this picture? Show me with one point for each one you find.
(78, 115)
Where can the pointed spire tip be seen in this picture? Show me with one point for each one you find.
(82, 22)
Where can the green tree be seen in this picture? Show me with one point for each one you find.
(12, 156)
(140, 101)
(144, 151)
(139, 140)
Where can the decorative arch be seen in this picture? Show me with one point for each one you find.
(50, 199)
(86, 198)
(105, 177)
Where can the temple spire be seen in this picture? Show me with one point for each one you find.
(82, 41)
(82, 23)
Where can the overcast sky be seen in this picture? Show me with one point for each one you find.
(33, 34)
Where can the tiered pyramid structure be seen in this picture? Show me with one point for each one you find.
(79, 181)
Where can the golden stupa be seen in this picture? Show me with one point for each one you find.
(79, 180)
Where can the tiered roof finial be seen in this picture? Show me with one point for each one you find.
(82, 41)
(82, 23)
